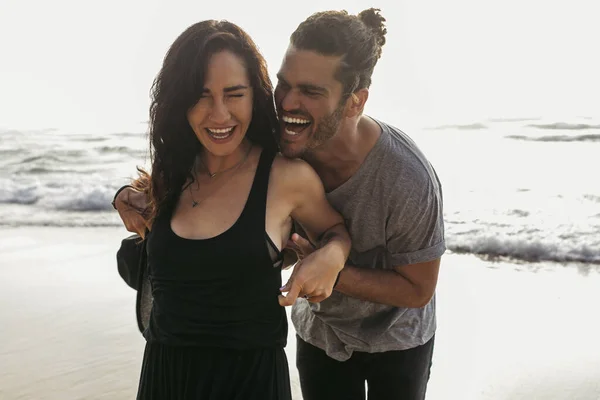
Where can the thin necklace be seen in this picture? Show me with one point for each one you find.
(196, 203)
(213, 174)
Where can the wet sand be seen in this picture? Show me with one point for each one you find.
(505, 331)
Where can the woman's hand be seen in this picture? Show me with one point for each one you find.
(316, 272)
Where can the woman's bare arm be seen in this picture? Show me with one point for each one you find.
(316, 274)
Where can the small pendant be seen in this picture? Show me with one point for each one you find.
(194, 203)
(212, 175)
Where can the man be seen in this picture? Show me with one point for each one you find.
(378, 325)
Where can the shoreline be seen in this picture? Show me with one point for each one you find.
(506, 330)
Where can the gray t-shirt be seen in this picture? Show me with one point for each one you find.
(393, 210)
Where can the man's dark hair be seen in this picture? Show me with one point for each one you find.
(358, 39)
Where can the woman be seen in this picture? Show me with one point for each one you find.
(221, 208)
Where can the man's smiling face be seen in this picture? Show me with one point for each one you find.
(308, 99)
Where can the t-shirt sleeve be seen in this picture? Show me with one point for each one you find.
(415, 225)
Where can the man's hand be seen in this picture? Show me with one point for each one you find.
(131, 205)
(315, 273)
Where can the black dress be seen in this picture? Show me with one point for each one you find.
(216, 330)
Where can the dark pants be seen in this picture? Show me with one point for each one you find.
(393, 375)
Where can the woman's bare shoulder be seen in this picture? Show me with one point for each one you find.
(293, 172)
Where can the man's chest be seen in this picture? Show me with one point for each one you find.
(366, 222)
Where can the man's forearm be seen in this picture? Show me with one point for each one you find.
(381, 286)
(338, 239)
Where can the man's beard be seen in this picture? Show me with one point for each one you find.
(327, 128)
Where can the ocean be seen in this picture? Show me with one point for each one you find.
(525, 189)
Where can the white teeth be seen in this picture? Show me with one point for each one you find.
(291, 120)
(220, 133)
(217, 131)
(288, 132)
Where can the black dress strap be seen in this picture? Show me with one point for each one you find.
(257, 199)
(259, 195)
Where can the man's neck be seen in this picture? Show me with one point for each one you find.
(343, 154)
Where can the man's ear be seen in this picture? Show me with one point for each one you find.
(356, 103)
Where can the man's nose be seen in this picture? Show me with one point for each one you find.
(291, 101)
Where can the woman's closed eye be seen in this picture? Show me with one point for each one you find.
(228, 96)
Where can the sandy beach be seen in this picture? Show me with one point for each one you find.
(505, 330)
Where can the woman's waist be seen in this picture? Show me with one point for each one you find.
(220, 298)
(238, 329)
(233, 309)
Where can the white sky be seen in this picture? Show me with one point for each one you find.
(74, 62)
